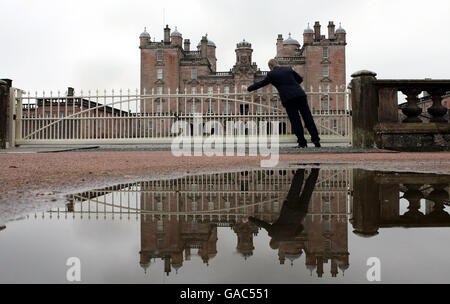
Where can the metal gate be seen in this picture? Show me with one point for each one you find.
(127, 117)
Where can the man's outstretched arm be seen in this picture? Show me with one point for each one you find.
(259, 223)
(259, 84)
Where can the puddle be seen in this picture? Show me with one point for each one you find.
(288, 225)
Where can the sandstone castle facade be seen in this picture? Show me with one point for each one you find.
(172, 65)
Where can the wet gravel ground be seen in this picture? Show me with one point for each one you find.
(37, 181)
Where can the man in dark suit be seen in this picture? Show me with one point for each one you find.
(293, 98)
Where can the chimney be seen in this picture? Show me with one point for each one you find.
(70, 91)
(331, 28)
(187, 45)
(167, 34)
(204, 47)
(279, 45)
(317, 31)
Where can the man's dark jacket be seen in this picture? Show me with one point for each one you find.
(286, 80)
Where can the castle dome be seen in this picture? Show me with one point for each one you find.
(244, 45)
(210, 43)
(340, 30)
(144, 34)
(308, 30)
(176, 33)
(290, 41)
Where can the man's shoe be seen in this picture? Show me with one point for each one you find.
(317, 144)
(302, 146)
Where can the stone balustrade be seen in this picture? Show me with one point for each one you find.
(412, 88)
(376, 114)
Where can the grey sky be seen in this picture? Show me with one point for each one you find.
(52, 44)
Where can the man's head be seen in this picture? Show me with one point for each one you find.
(272, 64)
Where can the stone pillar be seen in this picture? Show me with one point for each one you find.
(412, 110)
(364, 109)
(366, 203)
(5, 85)
(437, 111)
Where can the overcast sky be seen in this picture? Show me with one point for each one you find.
(53, 44)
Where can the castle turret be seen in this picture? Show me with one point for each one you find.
(308, 35)
(211, 54)
(341, 34)
(144, 37)
(244, 53)
(177, 38)
(290, 46)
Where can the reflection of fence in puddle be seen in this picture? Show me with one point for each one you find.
(220, 198)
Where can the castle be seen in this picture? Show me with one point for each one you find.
(171, 66)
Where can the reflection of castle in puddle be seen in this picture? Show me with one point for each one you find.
(182, 215)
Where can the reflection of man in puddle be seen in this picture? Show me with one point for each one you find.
(289, 225)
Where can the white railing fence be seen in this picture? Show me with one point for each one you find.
(133, 117)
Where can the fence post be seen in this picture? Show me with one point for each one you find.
(5, 136)
(364, 109)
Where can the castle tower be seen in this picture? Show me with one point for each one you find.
(144, 37)
(341, 34)
(308, 36)
(177, 38)
(244, 53)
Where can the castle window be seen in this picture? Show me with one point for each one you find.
(326, 71)
(160, 74)
(226, 90)
(210, 108)
(260, 91)
(194, 206)
(210, 90)
(325, 52)
(334, 123)
(159, 108)
(160, 55)
(160, 226)
(211, 206)
(194, 90)
(326, 106)
(226, 108)
(326, 88)
(326, 207)
(159, 90)
(276, 206)
(261, 207)
(260, 108)
(194, 73)
(194, 107)
(327, 225)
